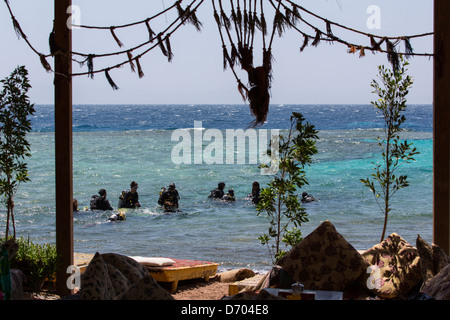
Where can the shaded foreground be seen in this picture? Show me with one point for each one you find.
(196, 289)
(324, 261)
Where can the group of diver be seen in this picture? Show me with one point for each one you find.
(127, 199)
(220, 194)
(168, 198)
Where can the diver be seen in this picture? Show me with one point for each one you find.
(229, 196)
(218, 193)
(75, 205)
(100, 202)
(129, 198)
(119, 216)
(168, 198)
(254, 196)
(307, 198)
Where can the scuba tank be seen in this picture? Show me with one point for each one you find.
(94, 202)
(160, 200)
(122, 200)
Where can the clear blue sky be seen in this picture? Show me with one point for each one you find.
(323, 75)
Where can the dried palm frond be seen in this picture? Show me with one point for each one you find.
(169, 49)
(408, 48)
(256, 22)
(161, 45)
(110, 81)
(376, 46)
(217, 18)
(151, 33)
(279, 22)
(258, 95)
(243, 91)
(392, 55)
(225, 20)
(316, 41)
(226, 57)
(44, 63)
(119, 43)
(234, 55)
(140, 72)
(130, 59)
(90, 65)
(362, 52)
(239, 17)
(246, 55)
(18, 29)
(191, 17)
(295, 14)
(351, 48)
(263, 25)
(305, 42)
(329, 31)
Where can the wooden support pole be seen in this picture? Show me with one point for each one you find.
(441, 125)
(63, 144)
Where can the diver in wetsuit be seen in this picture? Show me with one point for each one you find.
(307, 198)
(100, 202)
(229, 196)
(129, 199)
(254, 196)
(218, 193)
(169, 198)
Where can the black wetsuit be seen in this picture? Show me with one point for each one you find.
(217, 194)
(100, 203)
(103, 204)
(171, 196)
(229, 197)
(255, 196)
(129, 200)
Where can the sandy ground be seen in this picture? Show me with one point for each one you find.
(196, 289)
(201, 290)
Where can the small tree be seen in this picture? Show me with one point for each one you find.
(279, 199)
(391, 104)
(15, 109)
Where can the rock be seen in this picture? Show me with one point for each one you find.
(235, 275)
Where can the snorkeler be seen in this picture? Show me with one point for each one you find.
(218, 193)
(129, 198)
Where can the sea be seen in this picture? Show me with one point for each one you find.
(116, 144)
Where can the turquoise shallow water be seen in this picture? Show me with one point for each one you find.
(111, 156)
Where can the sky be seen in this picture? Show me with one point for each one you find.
(326, 74)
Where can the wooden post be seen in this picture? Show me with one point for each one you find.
(63, 144)
(441, 125)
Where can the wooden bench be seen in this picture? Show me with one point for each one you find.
(183, 270)
(180, 270)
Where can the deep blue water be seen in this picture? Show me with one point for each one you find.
(88, 118)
